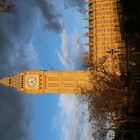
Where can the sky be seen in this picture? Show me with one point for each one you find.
(44, 35)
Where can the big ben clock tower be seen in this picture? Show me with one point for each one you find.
(38, 81)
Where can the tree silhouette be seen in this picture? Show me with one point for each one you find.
(106, 99)
(6, 6)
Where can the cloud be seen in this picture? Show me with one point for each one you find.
(78, 4)
(78, 45)
(51, 14)
(68, 104)
(71, 50)
(16, 54)
(73, 123)
(13, 121)
(64, 55)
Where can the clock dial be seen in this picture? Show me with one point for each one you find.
(31, 81)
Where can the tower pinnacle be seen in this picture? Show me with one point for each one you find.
(2, 81)
(6, 81)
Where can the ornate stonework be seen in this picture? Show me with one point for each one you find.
(37, 81)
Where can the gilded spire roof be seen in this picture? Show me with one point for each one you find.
(3, 81)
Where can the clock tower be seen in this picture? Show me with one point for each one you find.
(38, 81)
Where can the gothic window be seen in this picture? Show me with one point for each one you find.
(69, 78)
(107, 29)
(99, 21)
(99, 5)
(10, 82)
(100, 30)
(90, 4)
(68, 85)
(99, 13)
(52, 84)
(90, 12)
(52, 78)
(107, 39)
(106, 21)
(100, 39)
(106, 4)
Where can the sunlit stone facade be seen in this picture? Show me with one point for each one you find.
(104, 32)
(37, 81)
(106, 47)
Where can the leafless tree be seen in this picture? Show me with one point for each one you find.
(106, 99)
(7, 6)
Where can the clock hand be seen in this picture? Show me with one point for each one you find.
(33, 81)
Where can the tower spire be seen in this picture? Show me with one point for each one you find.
(2, 81)
(7, 81)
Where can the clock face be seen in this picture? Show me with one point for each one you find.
(31, 81)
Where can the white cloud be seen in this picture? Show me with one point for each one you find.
(64, 55)
(71, 121)
(79, 47)
(68, 103)
(32, 56)
(65, 43)
(26, 53)
(71, 50)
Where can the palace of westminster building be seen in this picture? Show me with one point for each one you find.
(105, 41)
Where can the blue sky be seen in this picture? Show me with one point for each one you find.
(48, 121)
(46, 35)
